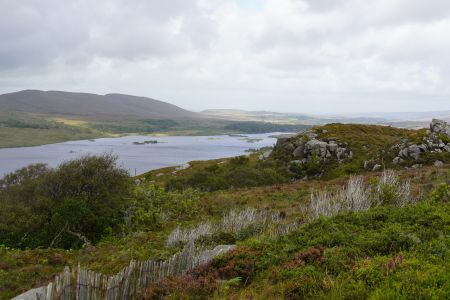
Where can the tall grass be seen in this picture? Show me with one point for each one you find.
(360, 196)
(390, 190)
(354, 196)
(249, 221)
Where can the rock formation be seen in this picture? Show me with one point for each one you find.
(307, 148)
(437, 141)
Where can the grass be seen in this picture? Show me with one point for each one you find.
(384, 253)
(22, 130)
(22, 269)
(359, 256)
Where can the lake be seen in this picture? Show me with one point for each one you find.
(136, 158)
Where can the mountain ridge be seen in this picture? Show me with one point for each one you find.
(89, 105)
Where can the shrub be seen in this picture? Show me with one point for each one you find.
(236, 173)
(151, 206)
(79, 201)
(390, 190)
(441, 193)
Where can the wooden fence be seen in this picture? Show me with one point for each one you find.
(82, 284)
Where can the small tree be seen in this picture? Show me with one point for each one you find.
(79, 201)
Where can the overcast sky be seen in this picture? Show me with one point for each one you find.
(327, 56)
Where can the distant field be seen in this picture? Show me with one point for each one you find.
(22, 137)
(22, 129)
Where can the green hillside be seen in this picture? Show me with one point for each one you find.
(344, 232)
(33, 117)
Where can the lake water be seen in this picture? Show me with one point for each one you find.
(169, 151)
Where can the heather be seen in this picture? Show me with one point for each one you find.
(358, 234)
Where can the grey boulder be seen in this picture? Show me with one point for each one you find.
(377, 168)
(299, 151)
(440, 127)
(438, 163)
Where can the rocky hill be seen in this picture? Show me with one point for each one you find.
(337, 149)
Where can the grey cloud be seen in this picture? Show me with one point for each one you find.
(39, 32)
(196, 52)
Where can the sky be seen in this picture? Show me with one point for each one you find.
(305, 56)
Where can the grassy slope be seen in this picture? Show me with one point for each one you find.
(23, 269)
(31, 130)
(351, 257)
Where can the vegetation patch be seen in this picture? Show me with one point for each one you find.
(237, 172)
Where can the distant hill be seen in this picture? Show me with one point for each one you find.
(263, 116)
(397, 119)
(91, 105)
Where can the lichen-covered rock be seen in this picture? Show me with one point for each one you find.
(289, 147)
(397, 160)
(340, 153)
(423, 148)
(438, 163)
(366, 164)
(440, 127)
(299, 152)
(332, 146)
(377, 168)
(307, 154)
(403, 153)
(34, 294)
(317, 147)
(414, 151)
(350, 154)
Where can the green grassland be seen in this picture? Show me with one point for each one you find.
(387, 252)
(23, 269)
(18, 129)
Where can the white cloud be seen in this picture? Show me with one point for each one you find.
(285, 55)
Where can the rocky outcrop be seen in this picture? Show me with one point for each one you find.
(437, 141)
(305, 148)
(440, 127)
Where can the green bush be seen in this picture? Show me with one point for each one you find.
(238, 172)
(83, 198)
(441, 193)
(151, 206)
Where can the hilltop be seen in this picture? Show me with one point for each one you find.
(92, 106)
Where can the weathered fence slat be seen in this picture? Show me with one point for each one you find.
(81, 284)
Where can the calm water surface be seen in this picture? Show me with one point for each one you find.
(169, 151)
